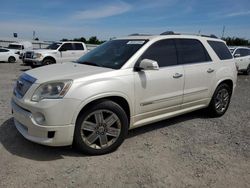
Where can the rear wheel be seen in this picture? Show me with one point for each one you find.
(12, 59)
(247, 72)
(101, 128)
(220, 100)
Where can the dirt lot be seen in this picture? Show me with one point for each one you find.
(188, 151)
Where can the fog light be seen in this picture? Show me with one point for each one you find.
(39, 118)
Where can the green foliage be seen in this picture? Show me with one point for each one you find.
(235, 41)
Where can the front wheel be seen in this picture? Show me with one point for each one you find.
(247, 72)
(12, 59)
(220, 100)
(101, 128)
(48, 62)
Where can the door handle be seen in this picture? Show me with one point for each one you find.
(210, 70)
(177, 75)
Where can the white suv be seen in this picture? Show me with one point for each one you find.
(123, 84)
(59, 52)
(242, 58)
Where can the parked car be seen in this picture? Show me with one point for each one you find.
(20, 47)
(242, 58)
(7, 55)
(120, 85)
(59, 52)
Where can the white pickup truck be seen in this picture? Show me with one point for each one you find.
(58, 52)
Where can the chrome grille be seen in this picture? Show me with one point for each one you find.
(29, 55)
(23, 84)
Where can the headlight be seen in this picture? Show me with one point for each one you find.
(51, 90)
(37, 55)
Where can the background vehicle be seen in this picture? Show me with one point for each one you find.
(123, 84)
(242, 58)
(8, 55)
(20, 47)
(55, 53)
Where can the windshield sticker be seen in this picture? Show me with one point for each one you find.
(136, 42)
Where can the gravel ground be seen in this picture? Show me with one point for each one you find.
(187, 151)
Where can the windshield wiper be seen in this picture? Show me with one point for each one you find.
(89, 63)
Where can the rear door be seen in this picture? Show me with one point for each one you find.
(199, 71)
(159, 91)
(4, 54)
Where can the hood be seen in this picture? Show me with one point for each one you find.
(44, 51)
(65, 71)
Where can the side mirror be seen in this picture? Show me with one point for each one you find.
(236, 55)
(148, 64)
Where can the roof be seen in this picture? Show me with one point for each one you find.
(150, 37)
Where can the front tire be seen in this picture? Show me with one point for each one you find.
(12, 59)
(220, 100)
(247, 72)
(101, 128)
(48, 62)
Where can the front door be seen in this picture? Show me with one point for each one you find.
(160, 91)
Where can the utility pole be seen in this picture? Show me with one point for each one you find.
(34, 35)
(223, 31)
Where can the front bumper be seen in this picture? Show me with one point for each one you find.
(32, 61)
(51, 135)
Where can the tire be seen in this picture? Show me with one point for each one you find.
(12, 59)
(101, 128)
(220, 101)
(48, 62)
(247, 72)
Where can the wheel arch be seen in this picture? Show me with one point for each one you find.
(228, 81)
(50, 58)
(121, 100)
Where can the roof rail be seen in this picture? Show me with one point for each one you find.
(173, 33)
(168, 33)
(139, 34)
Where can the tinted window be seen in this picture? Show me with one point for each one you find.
(248, 52)
(243, 52)
(67, 46)
(78, 46)
(237, 51)
(220, 49)
(191, 51)
(54, 46)
(164, 52)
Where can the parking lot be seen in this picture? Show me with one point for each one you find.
(192, 150)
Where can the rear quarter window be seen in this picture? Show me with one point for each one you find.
(220, 49)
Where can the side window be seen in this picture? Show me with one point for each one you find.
(78, 46)
(3, 50)
(248, 52)
(22, 47)
(66, 47)
(164, 52)
(243, 52)
(237, 52)
(191, 51)
(220, 49)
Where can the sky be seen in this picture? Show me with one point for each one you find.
(57, 19)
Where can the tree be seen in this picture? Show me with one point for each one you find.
(93, 40)
(36, 39)
(236, 41)
(64, 39)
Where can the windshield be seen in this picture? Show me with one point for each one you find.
(15, 47)
(53, 46)
(112, 54)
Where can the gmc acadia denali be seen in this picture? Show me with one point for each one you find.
(123, 84)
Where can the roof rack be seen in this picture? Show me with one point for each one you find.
(139, 34)
(173, 33)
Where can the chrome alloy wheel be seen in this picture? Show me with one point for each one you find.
(100, 129)
(222, 100)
